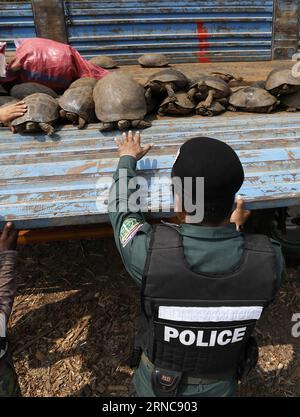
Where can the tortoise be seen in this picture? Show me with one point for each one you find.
(26, 89)
(3, 92)
(153, 60)
(120, 102)
(225, 76)
(181, 106)
(42, 112)
(207, 88)
(83, 82)
(103, 62)
(77, 106)
(6, 100)
(291, 101)
(281, 81)
(166, 82)
(216, 107)
(252, 99)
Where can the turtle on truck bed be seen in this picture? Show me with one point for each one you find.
(120, 102)
(165, 82)
(182, 106)
(252, 99)
(22, 90)
(281, 81)
(206, 89)
(153, 60)
(104, 61)
(42, 112)
(77, 106)
(83, 82)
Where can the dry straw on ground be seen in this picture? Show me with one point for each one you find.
(74, 318)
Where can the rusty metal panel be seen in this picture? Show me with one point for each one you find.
(49, 19)
(65, 180)
(285, 29)
(16, 21)
(185, 30)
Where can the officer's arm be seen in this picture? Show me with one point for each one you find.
(131, 231)
(8, 257)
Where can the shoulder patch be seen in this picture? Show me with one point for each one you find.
(129, 229)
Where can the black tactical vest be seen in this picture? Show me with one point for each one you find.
(199, 324)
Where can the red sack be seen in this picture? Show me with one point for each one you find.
(51, 63)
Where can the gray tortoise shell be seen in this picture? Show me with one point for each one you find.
(41, 108)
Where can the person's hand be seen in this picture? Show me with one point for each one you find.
(239, 216)
(8, 238)
(131, 145)
(11, 112)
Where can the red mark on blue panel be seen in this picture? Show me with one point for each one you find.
(202, 42)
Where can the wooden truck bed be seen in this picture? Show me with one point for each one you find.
(52, 182)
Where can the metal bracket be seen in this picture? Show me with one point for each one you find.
(49, 19)
(285, 29)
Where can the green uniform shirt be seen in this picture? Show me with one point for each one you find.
(206, 249)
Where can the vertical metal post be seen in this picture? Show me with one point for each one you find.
(285, 29)
(49, 18)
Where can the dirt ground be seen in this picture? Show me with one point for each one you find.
(74, 318)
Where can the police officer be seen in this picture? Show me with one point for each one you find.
(204, 285)
(8, 241)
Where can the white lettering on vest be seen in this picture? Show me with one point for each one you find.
(213, 338)
(187, 337)
(170, 332)
(200, 341)
(221, 341)
(203, 338)
(238, 334)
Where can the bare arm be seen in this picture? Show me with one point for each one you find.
(12, 111)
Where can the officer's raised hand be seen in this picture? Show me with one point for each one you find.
(130, 145)
(239, 215)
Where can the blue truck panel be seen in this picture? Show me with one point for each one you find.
(16, 21)
(65, 180)
(186, 31)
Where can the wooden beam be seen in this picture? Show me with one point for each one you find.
(100, 231)
(49, 18)
(64, 233)
(285, 29)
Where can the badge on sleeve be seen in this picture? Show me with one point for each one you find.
(129, 229)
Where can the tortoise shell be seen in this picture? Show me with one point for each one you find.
(26, 89)
(214, 83)
(5, 100)
(104, 62)
(170, 75)
(41, 108)
(281, 76)
(182, 101)
(80, 101)
(118, 96)
(153, 60)
(252, 98)
(84, 82)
